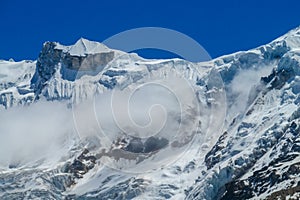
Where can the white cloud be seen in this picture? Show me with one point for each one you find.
(242, 84)
(34, 132)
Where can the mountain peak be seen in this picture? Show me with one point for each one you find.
(83, 47)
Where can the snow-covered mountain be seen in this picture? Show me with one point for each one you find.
(237, 138)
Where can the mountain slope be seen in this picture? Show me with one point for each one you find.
(240, 147)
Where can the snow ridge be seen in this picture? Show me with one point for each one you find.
(255, 155)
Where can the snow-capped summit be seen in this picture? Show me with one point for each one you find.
(251, 152)
(84, 47)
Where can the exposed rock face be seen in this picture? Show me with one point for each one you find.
(151, 144)
(87, 62)
(81, 165)
(55, 57)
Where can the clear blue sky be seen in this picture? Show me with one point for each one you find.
(221, 27)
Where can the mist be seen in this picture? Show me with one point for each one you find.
(35, 132)
(44, 132)
(242, 84)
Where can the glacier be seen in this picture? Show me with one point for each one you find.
(247, 146)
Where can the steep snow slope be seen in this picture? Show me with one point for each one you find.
(243, 146)
(242, 163)
(15, 82)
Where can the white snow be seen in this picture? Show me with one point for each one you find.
(253, 114)
(83, 47)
